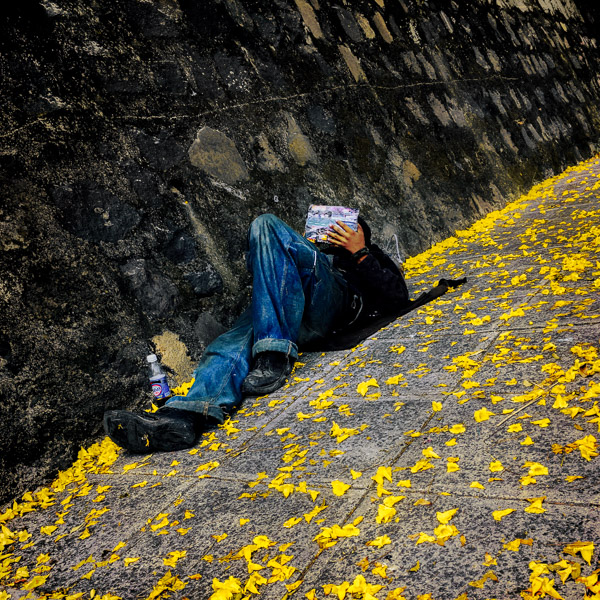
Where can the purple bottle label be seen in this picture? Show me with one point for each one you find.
(160, 388)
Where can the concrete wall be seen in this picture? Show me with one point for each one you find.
(140, 137)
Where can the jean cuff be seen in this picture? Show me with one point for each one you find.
(201, 407)
(287, 347)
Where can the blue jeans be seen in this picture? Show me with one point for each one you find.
(297, 297)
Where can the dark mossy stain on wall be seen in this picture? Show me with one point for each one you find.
(139, 138)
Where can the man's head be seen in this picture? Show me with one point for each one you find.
(366, 230)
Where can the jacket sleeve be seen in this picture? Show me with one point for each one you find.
(378, 274)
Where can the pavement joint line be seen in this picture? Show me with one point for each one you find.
(427, 491)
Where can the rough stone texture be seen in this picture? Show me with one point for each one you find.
(215, 154)
(139, 139)
(120, 524)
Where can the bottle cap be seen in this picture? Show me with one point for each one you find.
(151, 358)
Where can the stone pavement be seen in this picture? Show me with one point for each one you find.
(452, 455)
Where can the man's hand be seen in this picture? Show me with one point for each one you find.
(344, 237)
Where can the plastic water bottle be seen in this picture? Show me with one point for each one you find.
(158, 380)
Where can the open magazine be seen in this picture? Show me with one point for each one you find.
(320, 218)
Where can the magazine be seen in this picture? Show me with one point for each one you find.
(320, 218)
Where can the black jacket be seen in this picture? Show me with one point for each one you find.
(383, 289)
(376, 278)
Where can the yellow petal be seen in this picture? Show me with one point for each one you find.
(536, 505)
(379, 542)
(362, 387)
(444, 517)
(429, 453)
(339, 487)
(458, 428)
(291, 522)
(483, 414)
(498, 514)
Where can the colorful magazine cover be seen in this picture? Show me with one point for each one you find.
(320, 218)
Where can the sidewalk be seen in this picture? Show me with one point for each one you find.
(453, 455)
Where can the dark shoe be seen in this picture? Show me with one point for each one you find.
(270, 371)
(165, 430)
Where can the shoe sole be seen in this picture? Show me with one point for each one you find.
(252, 390)
(142, 436)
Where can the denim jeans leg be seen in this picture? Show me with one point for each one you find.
(327, 297)
(289, 276)
(218, 378)
(296, 297)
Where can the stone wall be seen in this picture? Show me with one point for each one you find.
(139, 138)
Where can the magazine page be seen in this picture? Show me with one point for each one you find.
(321, 217)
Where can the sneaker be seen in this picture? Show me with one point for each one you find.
(270, 371)
(165, 430)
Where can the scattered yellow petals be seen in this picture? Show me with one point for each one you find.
(173, 557)
(586, 549)
(479, 583)
(34, 582)
(382, 473)
(329, 535)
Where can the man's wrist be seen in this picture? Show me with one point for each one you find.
(359, 255)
